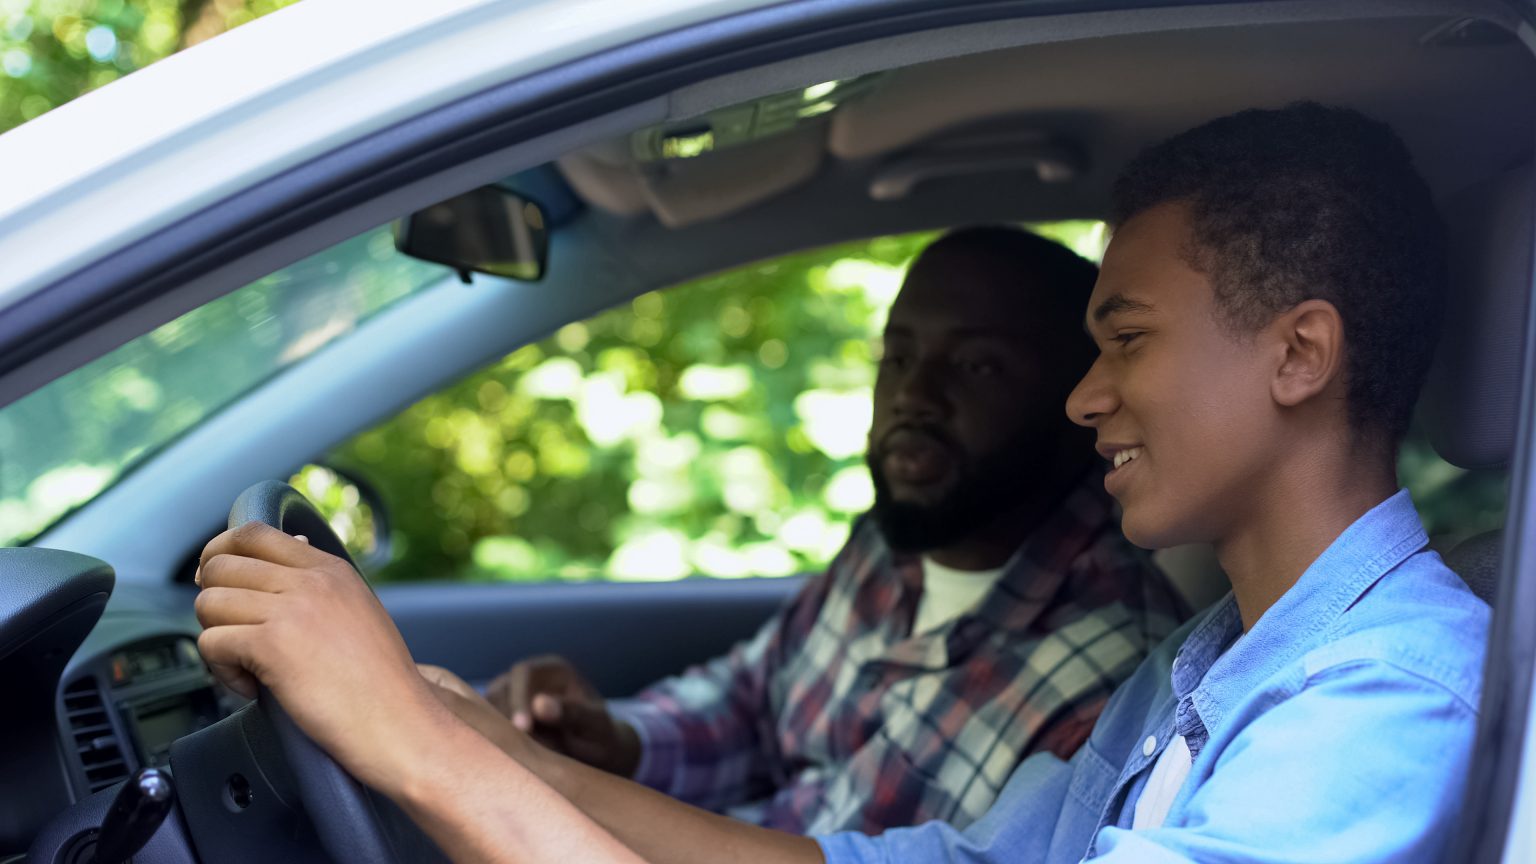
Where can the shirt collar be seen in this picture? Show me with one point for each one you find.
(1215, 677)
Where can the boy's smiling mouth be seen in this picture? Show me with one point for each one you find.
(1120, 457)
(1129, 454)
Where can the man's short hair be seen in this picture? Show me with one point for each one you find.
(1061, 270)
(1311, 202)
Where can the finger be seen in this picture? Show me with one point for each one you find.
(253, 574)
(235, 678)
(498, 694)
(229, 654)
(546, 709)
(580, 718)
(219, 607)
(519, 695)
(255, 540)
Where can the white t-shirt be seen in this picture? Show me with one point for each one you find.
(948, 593)
(1168, 777)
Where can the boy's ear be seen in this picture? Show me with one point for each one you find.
(1312, 337)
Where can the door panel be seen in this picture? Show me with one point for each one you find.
(623, 636)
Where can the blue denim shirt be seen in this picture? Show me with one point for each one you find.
(1338, 728)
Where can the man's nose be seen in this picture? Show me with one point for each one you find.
(1093, 398)
(920, 392)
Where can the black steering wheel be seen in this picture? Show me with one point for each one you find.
(351, 822)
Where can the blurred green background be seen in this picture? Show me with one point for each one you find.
(715, 428)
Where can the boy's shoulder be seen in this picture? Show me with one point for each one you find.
(1420, 618)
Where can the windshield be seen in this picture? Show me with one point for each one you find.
(69, 441)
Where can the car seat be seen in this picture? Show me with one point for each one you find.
(1472, 399)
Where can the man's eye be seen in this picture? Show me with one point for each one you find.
(978, 367)
(894, 361)
(1128, 337)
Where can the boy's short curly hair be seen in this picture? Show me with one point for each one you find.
(1306, 202)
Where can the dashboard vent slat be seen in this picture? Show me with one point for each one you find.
(96, 746)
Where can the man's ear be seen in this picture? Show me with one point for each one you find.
(1312, 336)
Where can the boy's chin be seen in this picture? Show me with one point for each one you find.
(1152, 531)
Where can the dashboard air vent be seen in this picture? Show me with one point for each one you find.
(100, 754)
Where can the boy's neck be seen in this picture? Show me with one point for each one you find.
(1297, 512)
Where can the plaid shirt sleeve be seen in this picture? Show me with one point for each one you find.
(707, 736)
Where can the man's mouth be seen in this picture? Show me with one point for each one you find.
(913, 458)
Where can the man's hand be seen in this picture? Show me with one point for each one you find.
(547, 698)
(301, 621)
(469, 706)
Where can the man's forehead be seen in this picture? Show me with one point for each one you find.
(959, 302)
(964, 309)
(954, 329)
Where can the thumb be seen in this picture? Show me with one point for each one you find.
(576, 717)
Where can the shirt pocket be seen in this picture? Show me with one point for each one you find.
(1093, 782)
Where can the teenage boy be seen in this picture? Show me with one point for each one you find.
(1265, 316)
(985, 611)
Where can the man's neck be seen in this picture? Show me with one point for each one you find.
(1292, 519)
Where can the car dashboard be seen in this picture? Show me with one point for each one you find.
(90, 700)
(122, 708)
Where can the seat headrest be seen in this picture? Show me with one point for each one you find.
(1471, 400)
(1476, 561)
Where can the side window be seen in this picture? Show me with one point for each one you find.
(716, 428)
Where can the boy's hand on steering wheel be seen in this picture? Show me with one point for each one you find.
(302, 622)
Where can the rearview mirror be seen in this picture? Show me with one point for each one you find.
(488, 230)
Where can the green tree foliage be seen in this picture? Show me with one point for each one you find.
(717, 427)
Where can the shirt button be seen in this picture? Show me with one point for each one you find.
(1149, 746)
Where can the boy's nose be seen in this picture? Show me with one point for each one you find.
(1092, 399)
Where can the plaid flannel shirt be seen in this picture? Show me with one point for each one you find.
(836, 717)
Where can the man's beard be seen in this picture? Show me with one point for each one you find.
(983, 490)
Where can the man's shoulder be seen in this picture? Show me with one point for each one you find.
(1112, 576)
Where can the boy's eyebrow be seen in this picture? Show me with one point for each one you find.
(1119, 303)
